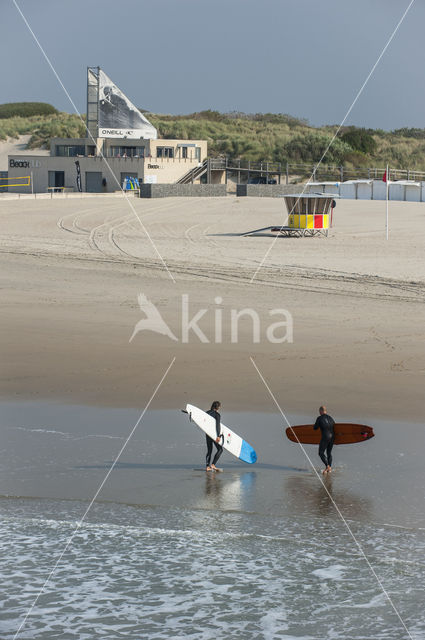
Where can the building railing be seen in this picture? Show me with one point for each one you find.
(177, 158)
(297, 172)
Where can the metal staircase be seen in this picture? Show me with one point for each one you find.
(194, 173)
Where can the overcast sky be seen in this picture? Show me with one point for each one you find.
(307, 58)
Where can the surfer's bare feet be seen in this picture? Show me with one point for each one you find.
(328, 469)
(325, 471)
(213, 467)
(208, 469)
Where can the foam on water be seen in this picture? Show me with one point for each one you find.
(183, 573)
(258, 554)
(68, 435)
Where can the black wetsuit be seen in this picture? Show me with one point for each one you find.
(210, 441)
(326, 425)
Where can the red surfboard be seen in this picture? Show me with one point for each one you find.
(345, 433)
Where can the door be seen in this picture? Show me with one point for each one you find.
(57, 180)
(94, 181)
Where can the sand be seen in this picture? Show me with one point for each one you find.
(71, 271)
(17, 146)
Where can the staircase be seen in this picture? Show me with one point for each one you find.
(194, 174)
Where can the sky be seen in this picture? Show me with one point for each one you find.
(307, 58)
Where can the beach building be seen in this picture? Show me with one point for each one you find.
(121, 148)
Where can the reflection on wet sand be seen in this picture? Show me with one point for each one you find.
(307, 495)
(229, 494)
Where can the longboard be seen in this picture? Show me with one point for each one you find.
(345, 433)
(230, 440)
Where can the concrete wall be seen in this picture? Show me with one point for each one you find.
(267, 190)
(40, 166)
(161, 170)
(166, 170)
(184, 190)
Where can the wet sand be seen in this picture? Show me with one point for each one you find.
(63, 452)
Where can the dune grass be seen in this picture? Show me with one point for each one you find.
(256, 137)
(283, 138)
(42, 128)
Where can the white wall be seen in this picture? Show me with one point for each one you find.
(364, 191)
(413, 194)
(377, 190)
(396, 192)
(347, 191)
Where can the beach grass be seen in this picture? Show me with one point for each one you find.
(256, 137)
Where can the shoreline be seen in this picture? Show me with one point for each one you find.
(296, 417)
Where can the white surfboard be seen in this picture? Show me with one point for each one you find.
(230, 440)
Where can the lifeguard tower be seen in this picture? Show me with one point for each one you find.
(309, 214)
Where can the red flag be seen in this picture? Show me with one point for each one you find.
(384, 179)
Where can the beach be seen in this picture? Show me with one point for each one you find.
(72, 270)
(115, 314)
(167, 550)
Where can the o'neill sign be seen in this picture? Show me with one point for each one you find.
(121, 133)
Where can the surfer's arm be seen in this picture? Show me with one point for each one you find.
(316, 424)
(217, 426)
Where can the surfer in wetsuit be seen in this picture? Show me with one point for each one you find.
(213, 412)
(326, 425)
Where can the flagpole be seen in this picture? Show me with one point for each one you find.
(387, 184)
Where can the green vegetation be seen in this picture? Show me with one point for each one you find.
(360, 140)
(274, 137)
(283, 138)
(26, 109)
(42, 128)
(410, 133)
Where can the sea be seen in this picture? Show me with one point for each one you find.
(166, 550)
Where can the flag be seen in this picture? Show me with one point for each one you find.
(77, 166)
(385, 179)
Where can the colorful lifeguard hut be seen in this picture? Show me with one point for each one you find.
(309, 214)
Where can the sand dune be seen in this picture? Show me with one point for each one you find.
(17, 146)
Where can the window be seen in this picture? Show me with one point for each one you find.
(189, 151)
(165, 152)
(70, 150)
(126, 152)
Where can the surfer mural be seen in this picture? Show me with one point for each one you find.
(110, 113)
